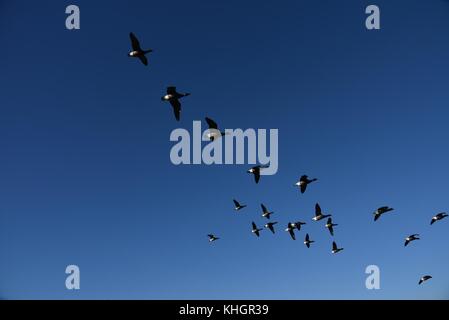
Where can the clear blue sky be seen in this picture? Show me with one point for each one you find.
(85, 174)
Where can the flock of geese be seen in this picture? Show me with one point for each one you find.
(173, 97)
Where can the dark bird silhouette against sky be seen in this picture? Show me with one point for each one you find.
(270, 225)
(307, 241)
(212, 238)
(424, 279)
(303, 182)
(265, 212)
(335, 248)
(330, 226)
(213, 132)
(319, 215)
(291, 230)
(137, 51)
(255, 230)
(173, 97)
(256, 172)
(238, 206)
(411, 238)
(382, 210)
(438, 217)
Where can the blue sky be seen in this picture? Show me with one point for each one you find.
(86, 178)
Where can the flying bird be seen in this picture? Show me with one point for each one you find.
(173, 97)
(438, 217)
(307, 241)
(336, 249)
(381, 211)
(256, 172)
(238, 206)
(291, 230)
(213, 131)
(265, 212)
(137, 51)
(255, 230)
(303, 182)
(330, 226)
(298, 225)
(424, 278)
(270, 225)
(212, 238)
(319, 214)
(411, 238)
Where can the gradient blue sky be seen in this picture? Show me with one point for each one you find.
(85, 174)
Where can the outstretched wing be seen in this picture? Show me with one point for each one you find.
(236, 203)
(143, 59)
(134, 42)
(334, 246)
(212, 124)
(257, 175)
(176, 108)
(171, 90)
(303, 187)
(317, 209)
(292, 234)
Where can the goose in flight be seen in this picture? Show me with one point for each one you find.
(381, 211)
(307, 241)
(270, 225)
(424, 279)
(411, 238)
(265, 212)
(238, 206)
(291, 230)
(255, 230)
(212, 238)
(330, 226)
(336, 249)
(213, 131)
(319, 214)
(438, 217)
(303, 182)
(173, 97)
(256, 172)
(137, 51)
(298, 225)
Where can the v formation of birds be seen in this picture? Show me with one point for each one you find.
(174, 97)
